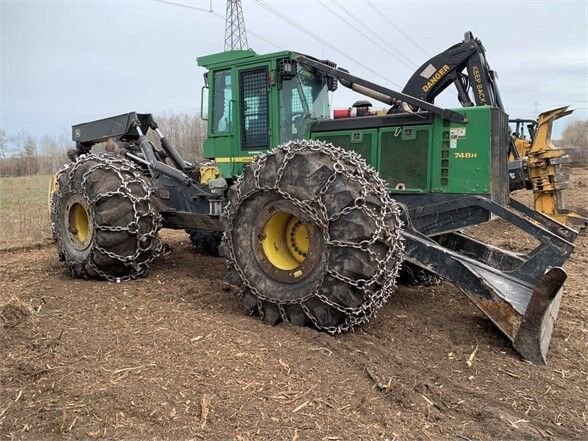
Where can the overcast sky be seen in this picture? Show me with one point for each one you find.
(64, 62)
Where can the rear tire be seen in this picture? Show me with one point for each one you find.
(103, 219)
(312, 237)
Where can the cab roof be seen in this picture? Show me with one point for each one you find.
(239, 58)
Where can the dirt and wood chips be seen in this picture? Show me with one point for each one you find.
(173, 356)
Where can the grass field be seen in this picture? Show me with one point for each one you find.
(24, 211)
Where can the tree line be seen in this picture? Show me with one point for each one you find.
(575, 137)
(22, 154)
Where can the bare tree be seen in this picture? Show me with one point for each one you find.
(30, 155)
(3, 144)
(4, 165)
(21, 155)
(576, 134)
(575, 138)
(27, 161)
(185, 131)
(51, 155)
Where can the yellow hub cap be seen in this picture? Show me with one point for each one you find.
(79, 224)
(285, 241)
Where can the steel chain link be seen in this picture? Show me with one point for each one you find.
(387, 230)
(128, 173)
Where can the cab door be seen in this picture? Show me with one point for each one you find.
(254, 131)
(222, 133)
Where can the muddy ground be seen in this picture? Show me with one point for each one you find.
(173, 356)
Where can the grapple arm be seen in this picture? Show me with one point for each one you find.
(448, 67)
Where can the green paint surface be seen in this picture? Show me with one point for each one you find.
(437, 157)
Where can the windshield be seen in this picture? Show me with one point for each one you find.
(303, 98)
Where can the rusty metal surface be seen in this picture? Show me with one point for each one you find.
(505, 300)
(500, 312)
(534, 335)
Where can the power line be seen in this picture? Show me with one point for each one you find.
(288, 21)
(362, 32)
(308, 32)
(407, 61)
(404, 34)
(218, 16)
(196, 8)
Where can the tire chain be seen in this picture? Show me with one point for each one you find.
(410, 273)
(119, 166)
(352, 166)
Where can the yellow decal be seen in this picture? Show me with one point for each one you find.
(235, 159)
(465, 155)
(434, 79)
(479, 87)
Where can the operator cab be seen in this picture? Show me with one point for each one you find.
(258, 101)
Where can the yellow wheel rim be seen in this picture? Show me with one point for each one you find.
(285, 241)
(297, 239)
(79, 224)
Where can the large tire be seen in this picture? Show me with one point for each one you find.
(312, 237)
(206, 243)
(104, 219)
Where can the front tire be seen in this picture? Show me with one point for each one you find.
(104, 220)
(312, 237)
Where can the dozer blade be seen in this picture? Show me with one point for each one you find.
(525, 314)
(519, 293)
(534, 336)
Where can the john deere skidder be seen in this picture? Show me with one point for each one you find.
(317, 214)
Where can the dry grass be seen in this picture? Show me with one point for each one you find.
(24, 211)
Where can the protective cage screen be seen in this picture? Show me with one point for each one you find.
(254, 117)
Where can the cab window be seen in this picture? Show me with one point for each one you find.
(304, 98)
(223, 95)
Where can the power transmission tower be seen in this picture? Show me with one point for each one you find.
(235, 34)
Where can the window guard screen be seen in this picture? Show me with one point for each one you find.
(254, 109)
